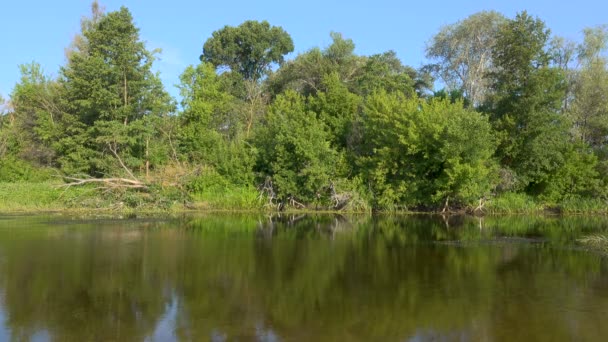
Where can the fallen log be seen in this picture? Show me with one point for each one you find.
(112, 183)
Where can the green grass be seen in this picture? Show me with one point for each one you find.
(583, 206)
(227, 198)
(51, 196)
(26, 196)
(512, 203)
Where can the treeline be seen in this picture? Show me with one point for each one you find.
(521, 112)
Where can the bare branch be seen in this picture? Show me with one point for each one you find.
(114, 151)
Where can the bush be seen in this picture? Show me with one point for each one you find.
(13, 169)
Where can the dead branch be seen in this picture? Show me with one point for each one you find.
(267, 189)
(482, 203)
(339, 200)
(108, 183)
(446, 206)
(295, 204)
(114, 149)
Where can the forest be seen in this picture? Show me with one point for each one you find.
(520, 120)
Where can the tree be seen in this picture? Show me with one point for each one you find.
(250, 49)
(39, 114)
(212, 128)
(108, 81)
(589, 111)
(526, 103)
(420, 152)
(338, 109)
(295, 151)
(463, 52)
(385, 71)
(305, 73)
(361, 74)
(8, 141)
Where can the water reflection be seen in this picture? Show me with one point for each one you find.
(271, 278)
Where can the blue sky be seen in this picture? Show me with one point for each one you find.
(40, 30)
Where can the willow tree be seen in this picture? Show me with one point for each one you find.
(463, 53)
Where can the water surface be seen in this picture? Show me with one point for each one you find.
(301, 278)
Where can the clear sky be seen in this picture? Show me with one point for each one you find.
(39, 30)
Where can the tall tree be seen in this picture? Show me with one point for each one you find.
(463, 54)
(589, 110)
(385, 71)
(7, 138)
(526, 103)
(110, 89)
(250, 49)
(306, 72)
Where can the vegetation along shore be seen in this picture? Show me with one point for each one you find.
(520, 125)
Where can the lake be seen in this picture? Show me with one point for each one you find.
(301, 278)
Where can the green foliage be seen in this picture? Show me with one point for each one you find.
(211, 129)
(305, 74)
(419, 152)
(526, 103)
(326, 126)
(37, 195)
(249, 49)
(294, 150)
(38, 114)
(337, 108)
(589, 109)
(578, 177)
(13, 169)
(385, 71)
(109, 83)
(583, 205)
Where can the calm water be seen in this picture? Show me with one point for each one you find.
(314, 278)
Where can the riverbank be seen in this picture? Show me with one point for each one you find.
(27, 197)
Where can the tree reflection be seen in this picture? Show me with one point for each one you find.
(302, 278)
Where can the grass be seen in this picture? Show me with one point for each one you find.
(50, 196)
(583, 206)
(228, 198)
(597, 242)
(25, 196)
(512, 203)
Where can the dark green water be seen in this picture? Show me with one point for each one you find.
(323, 278)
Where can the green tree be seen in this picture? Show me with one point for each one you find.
(385, 71)
(419, 153)
(306, 72)
(294, 150)
(39, 114)
(362, 74)
(526, 102)
(589, 110)
(338, 109)
(250, 49)
(212, 130)
(108, 81)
